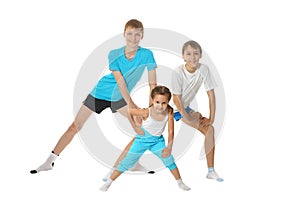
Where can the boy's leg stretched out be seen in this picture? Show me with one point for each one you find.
(83, 114)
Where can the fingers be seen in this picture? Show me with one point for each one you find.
(204, 122)
(165, 153)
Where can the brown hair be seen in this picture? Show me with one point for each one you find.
(134, 23)
(193, 44)
(162, 90)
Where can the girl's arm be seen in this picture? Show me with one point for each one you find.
(138, 112)
(152, 81)
(137, 115)
(167, 151)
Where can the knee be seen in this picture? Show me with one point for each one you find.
(172, 166)
(169, 162)
(209, 130)
(73, 128)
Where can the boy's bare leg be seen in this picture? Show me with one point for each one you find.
(83, 114)
(209, 145)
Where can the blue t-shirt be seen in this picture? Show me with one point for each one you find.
(132, 71)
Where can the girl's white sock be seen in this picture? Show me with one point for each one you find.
(106, 177)
(105, 187)
(182, 185)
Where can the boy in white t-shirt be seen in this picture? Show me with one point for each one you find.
(186, 82)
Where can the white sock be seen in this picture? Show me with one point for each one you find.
(106, 177)
(182, 185)
(47, 165)
(106, 185)
(212, 174)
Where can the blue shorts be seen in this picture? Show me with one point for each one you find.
(178, 116)
(155, 144)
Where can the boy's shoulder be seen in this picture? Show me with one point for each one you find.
(117, 51)
(203, 67)
(145, 50)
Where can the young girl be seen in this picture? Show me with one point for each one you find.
(186, 82)
(155, 119)
(112, 91)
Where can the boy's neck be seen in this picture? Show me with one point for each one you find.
(189, 68)
(130, 52)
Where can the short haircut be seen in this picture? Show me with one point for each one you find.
(134, 23)
(193, 44)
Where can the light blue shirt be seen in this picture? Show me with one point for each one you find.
(132, 71)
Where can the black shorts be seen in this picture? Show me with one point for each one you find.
(98, 105)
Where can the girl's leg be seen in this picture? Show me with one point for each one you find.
(83, 114)
(116, 173)
(121, 157)
(124, 153)
(135, 152)
(168, 162)
(138, 167)
(181, 184)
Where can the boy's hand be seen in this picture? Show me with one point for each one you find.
(204, 122)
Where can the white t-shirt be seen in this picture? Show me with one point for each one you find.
(188, 84)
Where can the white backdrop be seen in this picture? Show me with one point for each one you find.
(253, 44)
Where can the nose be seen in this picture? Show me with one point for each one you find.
(135, 38)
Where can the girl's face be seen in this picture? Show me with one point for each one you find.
(160, 103)
(133, 37)
(191, 56)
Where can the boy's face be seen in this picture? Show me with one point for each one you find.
(191, 56)
(133, 36)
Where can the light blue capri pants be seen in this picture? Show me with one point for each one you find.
(155, 144)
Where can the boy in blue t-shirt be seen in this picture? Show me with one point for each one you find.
(127, 65)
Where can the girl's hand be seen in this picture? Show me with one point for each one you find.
(166, 152)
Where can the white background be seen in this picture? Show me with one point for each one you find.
(254, 45)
